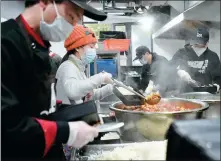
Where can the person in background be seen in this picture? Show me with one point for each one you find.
(55, 63)
(73, 87)
(25, 84)
(196, 62)
(154, 70)
(56, 59)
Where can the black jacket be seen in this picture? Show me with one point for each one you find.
(205, 68)
(157, 72)
(25, 94)
(145, 76)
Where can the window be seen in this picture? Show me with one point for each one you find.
(120, 28)
(99, 27)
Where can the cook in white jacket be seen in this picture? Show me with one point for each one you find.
(73, 87)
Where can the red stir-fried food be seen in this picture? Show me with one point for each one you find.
(161, 107)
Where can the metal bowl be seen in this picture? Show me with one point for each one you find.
(152, 126)
(212, 99)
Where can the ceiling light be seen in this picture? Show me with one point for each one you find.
(140, 10)
(146, 20)
(116, 13)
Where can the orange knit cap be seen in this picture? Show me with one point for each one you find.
(80, 36)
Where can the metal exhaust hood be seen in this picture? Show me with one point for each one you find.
(202, 14)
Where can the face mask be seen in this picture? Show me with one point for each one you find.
(89, 56)
(142, 61)
(199, 51)
(58, 31)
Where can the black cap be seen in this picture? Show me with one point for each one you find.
(140, 51)
(201, 36)
(89, 11)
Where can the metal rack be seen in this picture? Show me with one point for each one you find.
(101, 54)
(109, 54)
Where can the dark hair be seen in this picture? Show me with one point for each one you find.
(66, 56)
(30, 3)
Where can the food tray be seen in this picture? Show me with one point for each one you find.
(129, 100)
(203, 96)
(209, 89)
(98, 140)
(90, 150)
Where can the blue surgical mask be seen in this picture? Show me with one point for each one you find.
(89, 56)
(58, 31)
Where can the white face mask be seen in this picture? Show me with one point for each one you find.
(143, 61)
(89, 56)
(58, 31)
(199, 51)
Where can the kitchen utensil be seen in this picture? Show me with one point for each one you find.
(195, 83)
(149, 100)
(127, 88)
(129, 100)
(153, 125)
(207, 88)
(109, 126)
(212, 99)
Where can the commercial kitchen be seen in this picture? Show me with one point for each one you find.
(161, 106)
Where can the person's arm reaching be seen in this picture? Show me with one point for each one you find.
(76, 88)
(103, 92)
(180, 65)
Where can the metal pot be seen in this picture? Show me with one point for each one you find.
(146, 126)
(212, 99)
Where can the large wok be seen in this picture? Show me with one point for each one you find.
(212, 99)
(144, 126)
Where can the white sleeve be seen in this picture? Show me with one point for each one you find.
(74, 87)
(103, 92)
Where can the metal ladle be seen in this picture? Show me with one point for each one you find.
(148, 99)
